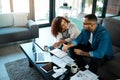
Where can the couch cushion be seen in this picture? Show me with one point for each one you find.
(10, 30)
(20, 19)
(14, 34)
(115, 49)
(113, 26)
(6, 20)
(110, 70)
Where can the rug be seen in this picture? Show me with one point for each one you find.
(20, 70)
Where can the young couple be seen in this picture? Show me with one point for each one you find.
(90, 46)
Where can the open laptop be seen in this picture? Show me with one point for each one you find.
(41, 56)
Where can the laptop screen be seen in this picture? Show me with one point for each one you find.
(41, 56)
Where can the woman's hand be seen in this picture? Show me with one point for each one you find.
(56, 45)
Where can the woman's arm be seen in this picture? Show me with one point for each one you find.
(73, 31)
(57, 44)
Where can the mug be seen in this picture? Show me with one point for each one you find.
(46, 48)
(74, 68)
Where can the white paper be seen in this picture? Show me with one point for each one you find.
(67, 60)
(59, 72)
(62, 62)
(58, 61)
(84, 75)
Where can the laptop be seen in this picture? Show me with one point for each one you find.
(42, 56)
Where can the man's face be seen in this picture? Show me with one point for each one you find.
(88, 25)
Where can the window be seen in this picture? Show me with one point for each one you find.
(74, 8)
(113, 7)
(42, 11)
(4, 6)
(7, 6)
(20, 5)
(99, 7)
(87, 6)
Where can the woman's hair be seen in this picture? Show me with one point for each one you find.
(56, 25)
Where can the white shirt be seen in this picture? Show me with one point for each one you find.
(73, 31)
(91, 36)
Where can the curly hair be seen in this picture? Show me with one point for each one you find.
(56, 25)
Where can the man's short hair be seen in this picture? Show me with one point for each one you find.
(91, 17)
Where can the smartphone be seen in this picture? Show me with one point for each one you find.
(48, 67)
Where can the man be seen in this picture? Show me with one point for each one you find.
(92, 46)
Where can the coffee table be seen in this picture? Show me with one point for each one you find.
(27, 49)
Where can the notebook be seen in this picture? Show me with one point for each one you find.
(59, 53)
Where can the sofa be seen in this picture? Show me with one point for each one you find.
(111, 70)
(16, 27)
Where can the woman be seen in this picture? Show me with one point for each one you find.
(64, 31)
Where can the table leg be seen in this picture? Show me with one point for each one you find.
(30, 64)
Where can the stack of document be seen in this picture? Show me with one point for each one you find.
(84, 75)
(42, 57)
(62, 62)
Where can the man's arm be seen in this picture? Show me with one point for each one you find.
(103, 46)
(66, 46)
(74, 42)
(82, 53)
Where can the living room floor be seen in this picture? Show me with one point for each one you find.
(13, 52)
(9, 53)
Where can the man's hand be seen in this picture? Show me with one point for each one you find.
(78, 51)
(65, 47)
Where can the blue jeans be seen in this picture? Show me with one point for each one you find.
(82, 60)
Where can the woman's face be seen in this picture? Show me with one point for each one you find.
(64, 25)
